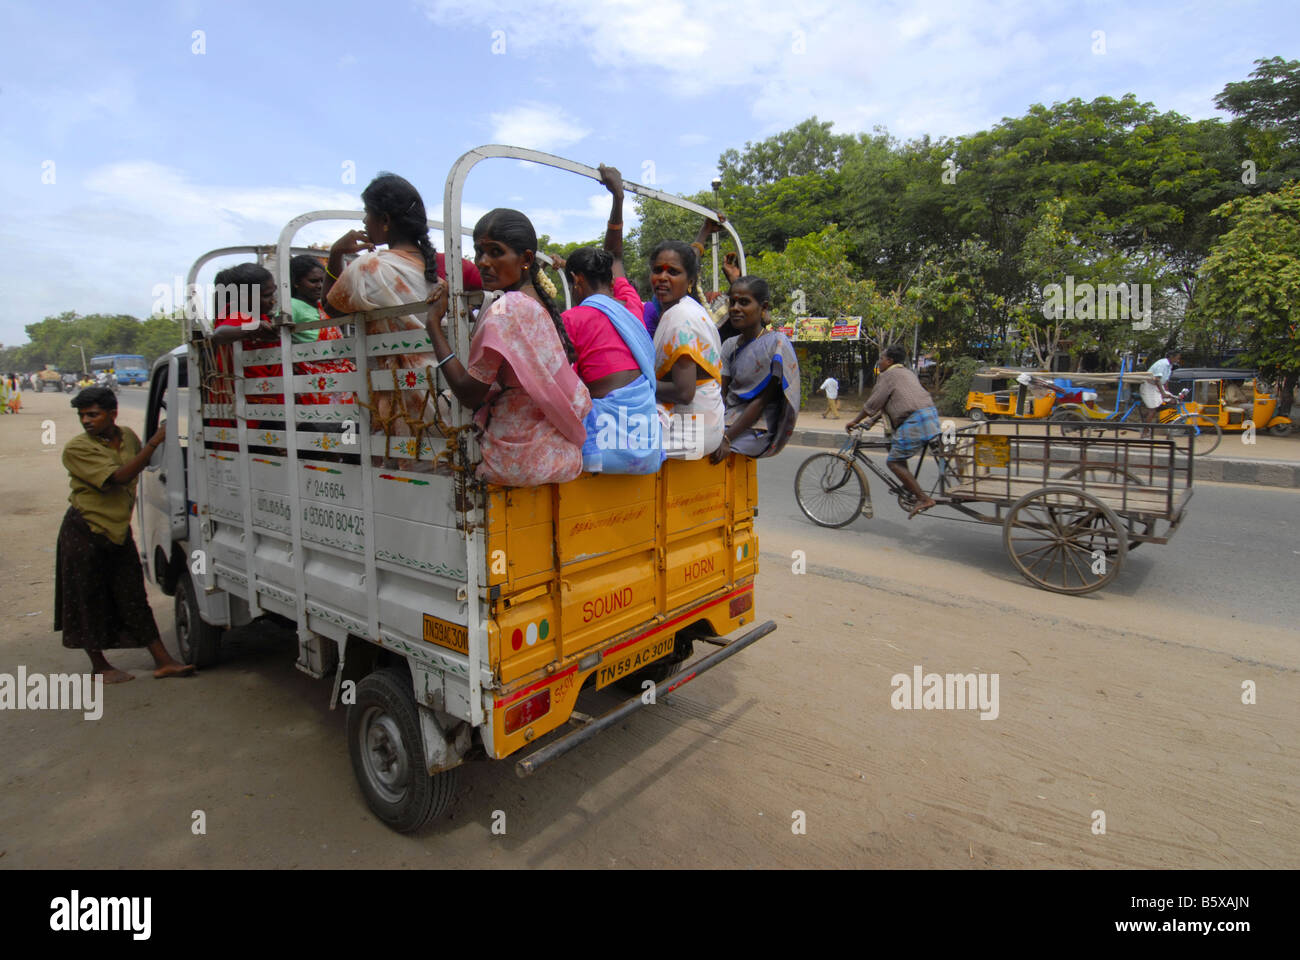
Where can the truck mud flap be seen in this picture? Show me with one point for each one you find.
(558, 748)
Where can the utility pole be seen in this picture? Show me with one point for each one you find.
(83, 356)
(717, 206)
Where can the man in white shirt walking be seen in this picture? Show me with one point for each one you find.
(832, 388)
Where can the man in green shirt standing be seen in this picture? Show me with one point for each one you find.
(99, 597)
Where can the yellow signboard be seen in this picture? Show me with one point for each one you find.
(992, 451)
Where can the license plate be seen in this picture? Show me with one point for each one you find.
(633, 661)
(446, 634)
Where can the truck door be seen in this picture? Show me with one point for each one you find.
(162, 502)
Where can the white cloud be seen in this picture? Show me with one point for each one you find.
(943, 67)
(136, 224)
(536, 125)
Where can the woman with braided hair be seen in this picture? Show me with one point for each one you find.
(530, 404)
(616, 362)
(394, 217)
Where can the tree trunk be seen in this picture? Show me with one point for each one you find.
(1288, 391)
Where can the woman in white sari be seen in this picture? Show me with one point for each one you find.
(688, 357)
(395, 217)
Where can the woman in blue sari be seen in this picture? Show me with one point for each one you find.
(760, 377)
(616, 362)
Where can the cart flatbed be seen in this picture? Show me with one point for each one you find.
(1071, 504)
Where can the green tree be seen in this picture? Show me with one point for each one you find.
(1267, 112)
(1250, 283)
(158, 335)
(807, 148)
(952, 292)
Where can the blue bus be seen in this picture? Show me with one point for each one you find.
(128, 367)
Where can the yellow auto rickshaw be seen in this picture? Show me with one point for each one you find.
(995, 394)
(1233, 399)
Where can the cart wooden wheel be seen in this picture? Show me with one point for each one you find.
(1064, 540)
(1114, 474)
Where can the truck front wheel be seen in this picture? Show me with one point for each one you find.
(388, 756)
(199, 642)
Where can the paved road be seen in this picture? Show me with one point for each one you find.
(1128, 701)
(1237, 555)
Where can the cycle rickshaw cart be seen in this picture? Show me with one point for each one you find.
(1071, 505)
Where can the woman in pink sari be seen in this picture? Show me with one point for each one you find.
(530, 404)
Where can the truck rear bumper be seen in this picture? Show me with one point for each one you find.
(558, 748)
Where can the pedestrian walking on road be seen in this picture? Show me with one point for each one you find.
(832, 388)
(99, 597)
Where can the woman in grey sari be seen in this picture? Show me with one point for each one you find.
(760, 377)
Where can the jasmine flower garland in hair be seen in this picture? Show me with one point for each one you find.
(547, 286)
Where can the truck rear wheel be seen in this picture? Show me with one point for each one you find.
(388, 755)
(199, 642)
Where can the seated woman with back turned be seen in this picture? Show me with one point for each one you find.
(616, 361)
(394, 217)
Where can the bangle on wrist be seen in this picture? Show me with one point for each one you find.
(438, 365)
(698, 247)
(330, 275)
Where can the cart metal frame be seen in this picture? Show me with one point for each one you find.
(1063, 498)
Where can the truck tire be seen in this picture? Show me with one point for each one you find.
(199, 642)
(388, 754)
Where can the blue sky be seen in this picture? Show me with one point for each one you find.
(158, 152)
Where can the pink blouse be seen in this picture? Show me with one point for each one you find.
(601, 351)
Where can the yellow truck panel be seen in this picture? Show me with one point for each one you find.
(606, 570)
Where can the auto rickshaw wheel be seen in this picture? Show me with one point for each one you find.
(1074, 424)
(1065, 528)
(1280, 429)
(976, 414)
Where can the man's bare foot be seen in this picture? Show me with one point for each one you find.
(921, 507)
(114, 675)
(173, 670)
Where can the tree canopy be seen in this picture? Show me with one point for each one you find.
(965, 241)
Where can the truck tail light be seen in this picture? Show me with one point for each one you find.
(742, 603)
(526, 711)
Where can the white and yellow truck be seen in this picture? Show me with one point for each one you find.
(458, 619)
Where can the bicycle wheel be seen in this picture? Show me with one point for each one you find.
(1204, 437)
(1071, 423)
(830, 489)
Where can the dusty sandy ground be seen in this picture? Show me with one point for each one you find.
(1099, 710)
